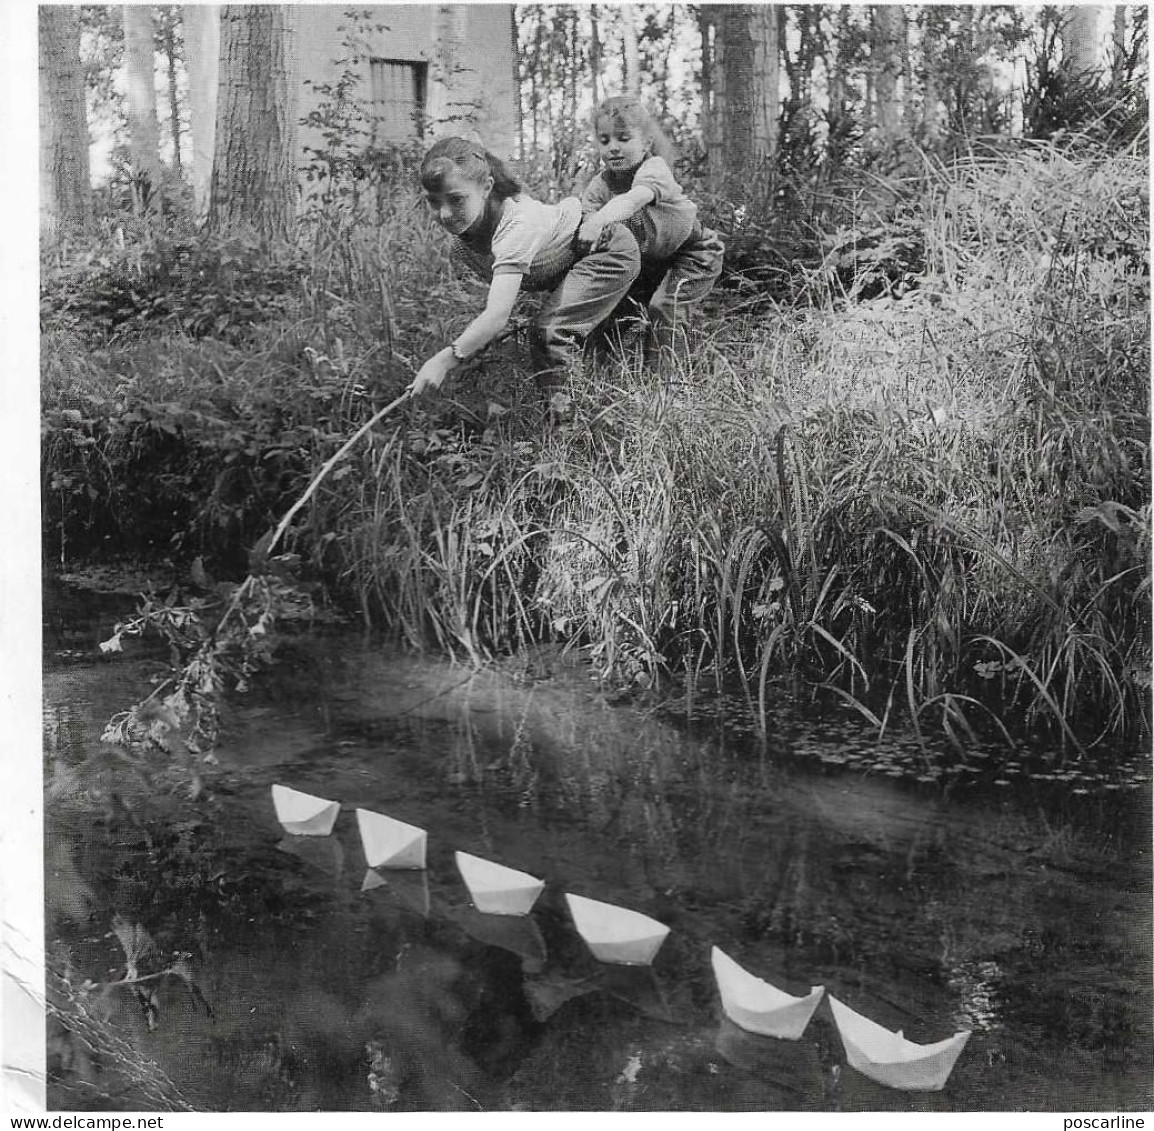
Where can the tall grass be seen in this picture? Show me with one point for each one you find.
(932, 507)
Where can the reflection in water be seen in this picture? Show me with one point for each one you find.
(410, 889)
(794, 1066)
(335, 990)
(519, 935)
(325, 854)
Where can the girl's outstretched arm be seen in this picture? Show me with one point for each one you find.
(619, 208)
(503, 291)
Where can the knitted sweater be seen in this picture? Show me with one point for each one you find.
(662, 226)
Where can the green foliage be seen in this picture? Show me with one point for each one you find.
(215, 644)
(192, 285)
(929, 506)
(1111, 110)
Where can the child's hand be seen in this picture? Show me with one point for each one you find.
(433, 372)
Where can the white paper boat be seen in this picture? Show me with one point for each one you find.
(407, 888)
(498, 890)
(302, 814)
(758, 1007)
(889, 1058)
(615, 934)
(389, 843)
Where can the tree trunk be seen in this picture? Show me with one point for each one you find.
(143, 129)
(1118, 57)
(168, 37)
(747, 60)
(450, 30)
(534, 90)
(65, 193)
(737, 122)
(886, 67)
(909, 111)
(1080, 49)
(713, 90)
(595, 57)
(518, 111)
(630, 52)
(254, 176)
(202, 61)
(931, 32)
(671, 31)
(575, 68)
(766, 92)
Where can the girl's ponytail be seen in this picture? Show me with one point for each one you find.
(473, 161)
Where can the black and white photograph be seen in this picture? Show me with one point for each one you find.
(588, 558)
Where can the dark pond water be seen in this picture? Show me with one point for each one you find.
(1022, 915)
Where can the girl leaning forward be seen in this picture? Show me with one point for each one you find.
(514, 242)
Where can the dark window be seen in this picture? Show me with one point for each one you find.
(398, 91)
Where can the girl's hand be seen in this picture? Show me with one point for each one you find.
(434, 371)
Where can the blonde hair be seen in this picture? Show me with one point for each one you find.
(628, 110)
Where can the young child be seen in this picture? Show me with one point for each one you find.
(512, 241)
(680, 258)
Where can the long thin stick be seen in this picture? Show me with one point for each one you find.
(330, 464)
(514, 327)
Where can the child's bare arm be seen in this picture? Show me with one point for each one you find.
(479, 333)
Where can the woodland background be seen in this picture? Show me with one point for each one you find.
(905, 471)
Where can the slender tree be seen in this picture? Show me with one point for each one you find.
(254, 177)
(709, 75)
(766, 93)
(594, 56)
(630, 51)
(744, 79)
(450, 31)
(143, 128)
(202, 60)
(515, 54)
(169, 26)
(1081, 54)
(886, 51)
(1118, 42)
(65, 194)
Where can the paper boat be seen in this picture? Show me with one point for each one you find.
(498, 890)
(615, 934)
(758, 1007)
(389, 843)
(410, 890)
(889, 1058)
(302, 814)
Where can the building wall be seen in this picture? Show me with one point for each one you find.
(467, 48)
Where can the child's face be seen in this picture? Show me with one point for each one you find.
(460, 202)
(622, 147)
